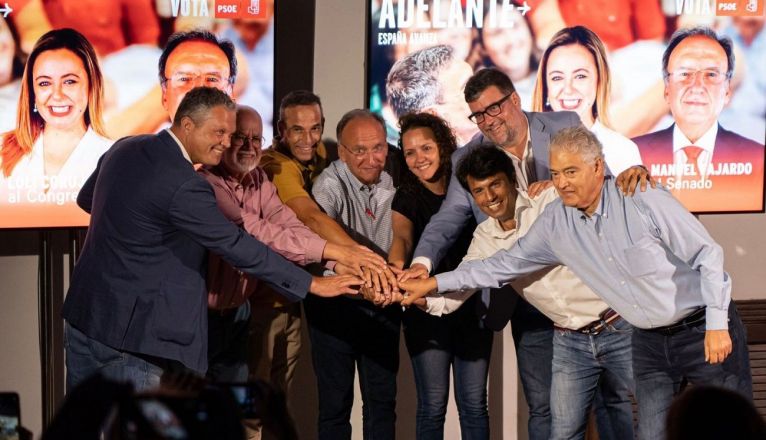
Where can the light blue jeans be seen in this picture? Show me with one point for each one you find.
(584, 365)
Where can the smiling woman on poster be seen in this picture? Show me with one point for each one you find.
(59, 136)
(574, 75)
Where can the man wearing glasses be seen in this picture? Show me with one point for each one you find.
(524, 137)
(247, 198)
(706, 167)
(351, 334)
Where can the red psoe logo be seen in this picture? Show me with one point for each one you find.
(228, 9)
(739, 8)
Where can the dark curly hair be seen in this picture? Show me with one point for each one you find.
(443, 135)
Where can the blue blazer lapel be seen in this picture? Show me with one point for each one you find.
(541, 139)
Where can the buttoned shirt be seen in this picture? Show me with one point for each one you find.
(253, 204)
(684, 168)
(363, 210)
(646, 256)
(555, 291)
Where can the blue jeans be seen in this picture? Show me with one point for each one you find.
(227, 339)
(348, 334)
(86, 356)
(436, 343)
(662, 362)
(533, 336)
(583, 365)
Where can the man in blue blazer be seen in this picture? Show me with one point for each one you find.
(137, 302)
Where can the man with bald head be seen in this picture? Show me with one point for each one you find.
(247, 198)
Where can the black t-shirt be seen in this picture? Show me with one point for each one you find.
(418, 204)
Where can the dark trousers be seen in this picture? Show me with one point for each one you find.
(348, 335)
(227, 344)
(661, 362)
(437, 344)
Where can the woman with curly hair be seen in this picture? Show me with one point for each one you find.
(439, 333)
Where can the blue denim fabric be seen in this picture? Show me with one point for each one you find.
(661, 363)
(227, 339)
(581, 365)
(86, 356)
(436, 343)
(533, 336)
(348, 334)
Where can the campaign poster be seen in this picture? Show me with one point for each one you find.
(51, 143)
(699, 126)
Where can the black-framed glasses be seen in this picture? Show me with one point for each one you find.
(238, 139)
(493, 109)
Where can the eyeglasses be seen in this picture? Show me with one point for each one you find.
(360, 152)
(237, 140)
(193, 79)
(493, 109)
(688, 76)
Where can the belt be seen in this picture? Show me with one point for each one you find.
(694, 319)
(606, 317)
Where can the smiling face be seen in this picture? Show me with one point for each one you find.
(495, 196)
(60, 85)
(245, 152)
(363, 148)
(696, 103)
(509, 127)
(572, 81)
(421, 152)
(578, 182)
(193, 64)
(509, 45)
(301, 130)
(207, 140)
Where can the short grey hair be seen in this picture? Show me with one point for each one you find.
(578, 140)
(358, 113)
(412, 83)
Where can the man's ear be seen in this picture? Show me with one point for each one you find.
(187, 123)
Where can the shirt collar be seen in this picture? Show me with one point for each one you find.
(181, 146)
(602, 210)
(356, 183)
(247, 181)
(706, 141)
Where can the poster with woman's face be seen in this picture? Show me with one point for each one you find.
(697, 121)
(65, 97)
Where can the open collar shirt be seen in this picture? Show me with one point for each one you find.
(646, 256)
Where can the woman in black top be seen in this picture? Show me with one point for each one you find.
(436, 340)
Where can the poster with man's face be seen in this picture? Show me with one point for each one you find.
(41, 176)
(698, 123)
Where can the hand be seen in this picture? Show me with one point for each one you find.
(536, 188)
(342, 269)
(417, 289)
(421, 303)
(354, 256)
(717, 345)
(383, 288)
(629, 179)
(415, 271)
(335, 285)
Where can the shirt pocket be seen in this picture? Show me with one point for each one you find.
(643, 258)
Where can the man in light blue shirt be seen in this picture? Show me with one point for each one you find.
(648, 258)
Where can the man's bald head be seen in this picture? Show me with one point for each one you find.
(246, 142)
